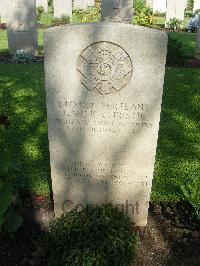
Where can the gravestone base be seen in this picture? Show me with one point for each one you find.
(104, 93)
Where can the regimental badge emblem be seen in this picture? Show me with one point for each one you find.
(104, 67)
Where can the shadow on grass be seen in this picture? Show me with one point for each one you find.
(23, 101)
(178, 151)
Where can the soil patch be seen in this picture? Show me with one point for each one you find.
(172, 236)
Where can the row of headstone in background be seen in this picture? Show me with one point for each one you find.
(196, 5)
(175, 9)
(64, 7)
(117, 11)
(172, 8)
(161, 6)
(83, 4)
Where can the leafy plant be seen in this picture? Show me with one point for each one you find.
(138, 5)
(197, 12)
(191, 193)
(10, 221)
(39, 10)
(93, 236)
(24, 56)
(175, 24)
(64, 19)
(144, 15)
(194, 23)
(50, 2)
(175, 52)
(92, 14)
(190, 4)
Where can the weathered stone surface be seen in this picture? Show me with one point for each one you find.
(62, 7)
(43, 3)
(159, 6)
(83, 4)
(117, 11)
(3, 9)
(196, 5)
(175, 9)
(21, 25)
(104, 84)
(149, 3)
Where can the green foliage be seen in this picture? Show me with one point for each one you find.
(196, 12)
(191, 193)
(175, 52)
(50, 2)
(178, 147)
(190, 4)
(23, 57)
(159, 14)
(175, 24)
(40, 11)
(10, 221)
(138, 5)
(61, 21)
(93, 236)
(90, 15)
(144, 15)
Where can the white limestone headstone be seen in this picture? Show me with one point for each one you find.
(175, 9)
(159, 6)
(83, 4)
(149, 3)
(117, 10)
(104, 84)
(196, 5)
(21, 26)
(43, 3)
(3, 10)
(62, 7)
(186, 4)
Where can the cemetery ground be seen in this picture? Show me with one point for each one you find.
(172, 236)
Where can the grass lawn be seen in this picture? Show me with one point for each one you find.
(188, 40)
(22, 98)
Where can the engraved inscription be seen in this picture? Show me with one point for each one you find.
(19, 4)
(114, 118)
(104, 67)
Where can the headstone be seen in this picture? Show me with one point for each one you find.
(62, 7)
(104, 84)
(149, 3)
(21, 25)
(196, 5)
(83, 4)
(175, 9)
(43, 3)
(117, 10)
(159, 6)
(3, 9)
(186, 4)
